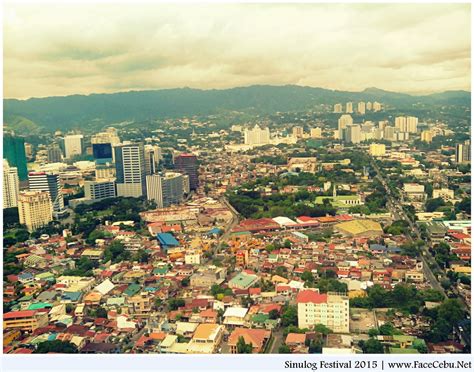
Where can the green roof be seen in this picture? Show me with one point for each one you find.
(160, 270)
(242, 280)
(398, 350)
(39, 305)
(260, 318)
(132, 289)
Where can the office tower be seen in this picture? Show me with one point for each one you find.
(54, 154)
(316, 132)
(73, 145)
(352, 133)
(361, 108)
(257, 136)
(188, 164)
(376, 106)
(369, 106)
(49, 182)
(99, 189)
(377, 149)
(14, 152)
(34, 209)
(130, 170)
(152, 159)
(427, 136)
(28, 150)
(463, 152)
(165, 189)
(343, 121)
(338, 108)
(11, 186)
(102, 153)
(349, 108)
(298, 132)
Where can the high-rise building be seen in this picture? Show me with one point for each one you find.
(368, 106)
(389, 133)
(338, 108)
(298, 132)
(188, 164)
(427, 135)
(11, 186)
(412, 124)
(186, 188)
(55, 154)
(99, 189)
(352, 133)
(342, 123)
(377, 149)
(376, 106)
(110, 135)
(130, 170)
(14, 152)
(165, 189)
(34, 209)
(102, 153)
(152, 158)
(29, 150)
(361, 108)
(329, 309)
(257, 136)
(104, 171)
(49, 182)
(463, 152)
(73, 145)
(349, 109)
(406, 124)
(316, 132)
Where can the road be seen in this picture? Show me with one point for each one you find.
(234, 222)
(396, 207)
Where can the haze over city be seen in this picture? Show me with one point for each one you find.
(63, 49)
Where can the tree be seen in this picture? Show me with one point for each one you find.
(273, 314)
(56, 346)
(176, 303)
(321, 328)
(420, 345)
(372, 346)
(433, 204)
(284, 349)
(289, 316)
(242, 347)
(101, 313)
(307, 276)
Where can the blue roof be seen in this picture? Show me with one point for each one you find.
(378, 247)
(167, 240)
(72, 296)
(215, 230)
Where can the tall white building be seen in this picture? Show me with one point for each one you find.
(11, 186)
(369, 106)
(34, 209)
(165, 189)
(110, 135)
(330, 310)
(257, 136)
(152, 158)
(376, 106)
(50, 183)
(349, 109)
(412, 124)
(353, 133)
(342, 123)
(361, 108)
(73, 145)
(406, 124)
(463, 152)
(316, 132)
(338, 108)
(130, 171)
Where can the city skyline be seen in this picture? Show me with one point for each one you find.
(158, 46)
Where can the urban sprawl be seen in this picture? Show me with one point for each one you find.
(340, 230)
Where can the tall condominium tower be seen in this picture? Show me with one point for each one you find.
(11, 186)
(48, 182)
(188, 164)
(130, 170)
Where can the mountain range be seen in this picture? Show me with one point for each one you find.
(95, 110)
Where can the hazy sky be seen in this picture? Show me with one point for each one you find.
(70, 49)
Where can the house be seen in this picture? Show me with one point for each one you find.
(235, 316)
(206, 339)
(257, 337)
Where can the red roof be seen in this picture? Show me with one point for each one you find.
(19, 314)
(308, 296)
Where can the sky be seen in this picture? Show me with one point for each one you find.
(62, 49)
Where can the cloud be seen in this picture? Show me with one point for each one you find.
(80, 48)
